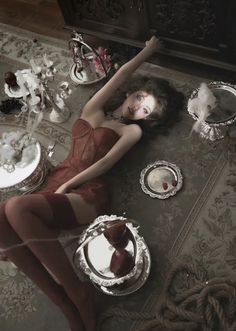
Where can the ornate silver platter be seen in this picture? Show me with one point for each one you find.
(215, 126)
(24, 180)
(161, 179)
(93, 257)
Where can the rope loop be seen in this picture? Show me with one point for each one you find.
(189, 302)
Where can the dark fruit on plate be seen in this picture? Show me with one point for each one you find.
(117, 234)
(165, 186)
(10, 79)
(122, 262)
(174, 182)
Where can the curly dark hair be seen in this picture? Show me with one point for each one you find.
(170, 102)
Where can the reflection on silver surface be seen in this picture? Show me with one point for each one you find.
(134, 283)
(161, 179)
(101, 262)
(94, 257)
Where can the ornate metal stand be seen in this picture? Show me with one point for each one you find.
(89, 66)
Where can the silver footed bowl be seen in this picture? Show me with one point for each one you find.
(224, 112)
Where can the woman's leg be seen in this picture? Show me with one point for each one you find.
(32, 267)
(31, 218)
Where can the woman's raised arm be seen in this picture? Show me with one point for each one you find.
(101, 97)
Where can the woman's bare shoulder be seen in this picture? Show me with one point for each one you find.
(89, 110)
(133, 130)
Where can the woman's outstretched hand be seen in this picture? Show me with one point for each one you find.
(153, 44)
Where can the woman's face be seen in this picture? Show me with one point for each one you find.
(138, 105)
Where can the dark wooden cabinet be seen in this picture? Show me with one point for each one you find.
(201, 31)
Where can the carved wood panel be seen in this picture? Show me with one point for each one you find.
(122, 17)
(187, 20)
(195, 30)
(100, 9)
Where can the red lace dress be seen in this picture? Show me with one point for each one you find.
(88, 146)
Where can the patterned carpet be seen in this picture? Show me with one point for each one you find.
(198, 224)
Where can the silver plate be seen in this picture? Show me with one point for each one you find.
(225, 111)
(161, 179)
(94, 253)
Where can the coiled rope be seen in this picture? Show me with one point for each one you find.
(207, 305)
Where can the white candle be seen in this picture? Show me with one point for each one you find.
(20, 78)
(21, 83)
(33, 95)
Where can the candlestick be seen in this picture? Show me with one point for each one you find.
(65, 90)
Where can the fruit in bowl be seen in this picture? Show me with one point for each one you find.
(122, 262)
(117, 234)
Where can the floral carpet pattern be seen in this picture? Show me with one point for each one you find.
(213, 244)
(30, 45)
(197, 224)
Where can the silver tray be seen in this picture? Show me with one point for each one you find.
(161, 179)
(94, 252)
(225, 111)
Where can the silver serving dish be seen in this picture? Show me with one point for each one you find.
(24, 180)
(224, 114)
(161, 179)
(94, 253)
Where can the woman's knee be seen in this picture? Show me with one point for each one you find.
(20, 211)
(14, 206)
(17, 210)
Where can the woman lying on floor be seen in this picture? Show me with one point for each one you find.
(76, 193)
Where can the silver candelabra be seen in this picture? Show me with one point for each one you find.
(44, 74)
